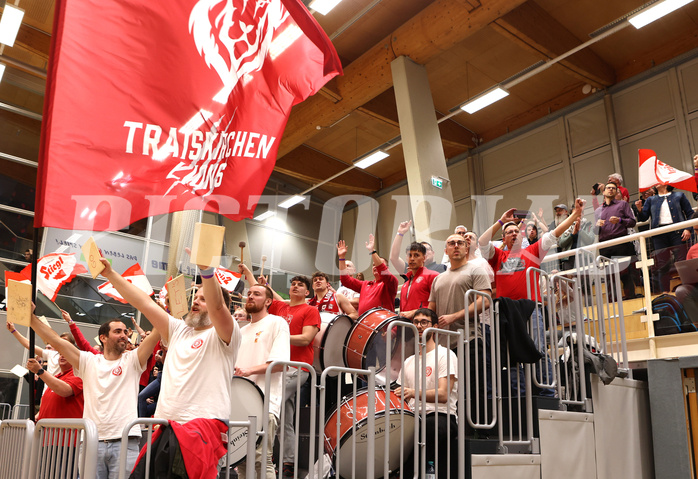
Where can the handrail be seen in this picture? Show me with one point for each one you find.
(624, 239)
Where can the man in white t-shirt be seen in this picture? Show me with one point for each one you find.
(441, 366)
(110, 388)
(202, 348)
(264, 340)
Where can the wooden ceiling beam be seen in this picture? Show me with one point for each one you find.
(36, 41)
(312, 167)
(438, 27)
(536, 30)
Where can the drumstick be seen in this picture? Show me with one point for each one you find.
(242, 245)
(264, 258)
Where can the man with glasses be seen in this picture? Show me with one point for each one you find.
(447, 300)
(440, 366)
(510, 266)
(613, 218)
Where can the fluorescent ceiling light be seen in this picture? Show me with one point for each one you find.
(265, 215)
(480, 102)
(371, 159)
(10, 23)
(2, 70)
(323, 6)
(293, 200)
(655, 11)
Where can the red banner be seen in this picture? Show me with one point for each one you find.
(154, 107)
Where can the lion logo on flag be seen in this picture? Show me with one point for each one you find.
(233, 36)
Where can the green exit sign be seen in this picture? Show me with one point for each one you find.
(437, 182)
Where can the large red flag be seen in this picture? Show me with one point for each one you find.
(155, 107)
(654, 172)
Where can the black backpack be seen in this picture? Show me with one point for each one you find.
(672, 316)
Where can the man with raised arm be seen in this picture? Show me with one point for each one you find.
(328, 301)
(418, 279)
(264, 340)
(510, 266)
(350, 294)
(110, 388)
(200, 363)
(381, 291)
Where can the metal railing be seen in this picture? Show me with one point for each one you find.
(62, 447)
(15, 447)
(5, 411)
(20, 411)
(335, 435)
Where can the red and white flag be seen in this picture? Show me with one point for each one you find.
(227, 278)
(154, 107)
(654, 172)
(162, 295)
(53, 271)
(134, 275)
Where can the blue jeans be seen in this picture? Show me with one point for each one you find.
(108, 454)
(151, 390)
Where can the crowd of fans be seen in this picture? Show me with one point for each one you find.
(182, 369)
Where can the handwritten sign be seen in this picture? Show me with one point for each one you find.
(92, 256)
(19, 302)
(207, 244)
(177, 296)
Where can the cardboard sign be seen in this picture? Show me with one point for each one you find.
(19, 371)
(19, 302)
(207, 244)
(92, 256)
(177, 296)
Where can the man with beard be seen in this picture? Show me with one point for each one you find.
(200, 362)
(441, 394)
(264, 340)
(110, 387)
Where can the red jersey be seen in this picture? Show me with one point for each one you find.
(378, 293)
(415, 292)
(510, 270)
(298, 317)
(55, 406)
(328, 303)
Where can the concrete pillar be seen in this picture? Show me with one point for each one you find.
(432, 208)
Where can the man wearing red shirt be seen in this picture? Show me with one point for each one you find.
(510, 266)
(303, 324)
(381, 291)
(416, 289)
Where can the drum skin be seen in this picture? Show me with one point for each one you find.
(345, 413)
(366, 329)
(246, 400)
(329, 342)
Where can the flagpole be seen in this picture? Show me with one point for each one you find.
(32, 383)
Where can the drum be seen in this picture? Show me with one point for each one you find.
(365, 344)
(342, 442)
(246, 400)
(328, 344)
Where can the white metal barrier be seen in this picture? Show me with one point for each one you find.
(62, 447)
(20, 411)
(5, 411)
(15, 448)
